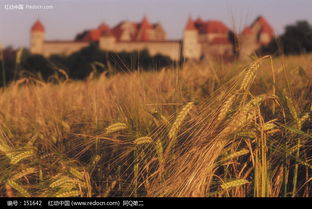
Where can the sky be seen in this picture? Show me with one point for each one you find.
(65, 18)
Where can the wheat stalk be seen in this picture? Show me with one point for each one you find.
(108, 190)
(19, 56)
(6, 150)
(73, 193)
(236, 154)
(242, 117)
(78, 174)
(67, 186)
(248, 134)
(177, 123)
(143, 140)
(88, 184)
(234, 183)
(23, 173)
(225, 107)
(21, 156)
(269, 125)
(62, 180)
(305, 117)
(159, 150)
(18, 188)
(115, 127)
(293, 111)
(9, 192)
(250, 74)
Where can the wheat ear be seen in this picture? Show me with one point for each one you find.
(143, 140)
(23, 173)
(234, 183)
(177, 123)
(235, 154)
(21, 156)
(74, 193)
(115, 127)
(18, 188)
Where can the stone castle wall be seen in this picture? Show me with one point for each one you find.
(171, 49)
(216, 50)
(62, 47)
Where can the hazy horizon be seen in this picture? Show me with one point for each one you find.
(69, 17)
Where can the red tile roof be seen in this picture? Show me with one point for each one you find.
(264, 24)
(267, 29)
(117, 31)
(145, 23)
(142, 30)
(37, 26)
(92, 35)
(103, 27)
(95, 34)
(220, 40)
(213, 26)
(190, 24)
(247, 31)
(144, 35)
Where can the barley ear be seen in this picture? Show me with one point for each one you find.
(76, 173)
(235, 155)
(62, 180)
(250, 74)
(115, 127)
(21, 156)
(226, 107)
(18, 188)
(177, 123)
(74, 193)
(23, 173)
(143, 140)
(234, 183)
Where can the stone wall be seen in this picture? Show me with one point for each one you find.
(171, 49)
(211, 36)
(247, 46)
(216, 50)
(62, 47)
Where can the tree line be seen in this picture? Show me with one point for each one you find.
(297, 39)
(77, 66)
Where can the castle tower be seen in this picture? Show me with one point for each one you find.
(264, 30)
(265, 36)
(247, 43)
(191, 46)
(107, 41)
(144, 30)
(258, 34)
(37, 34)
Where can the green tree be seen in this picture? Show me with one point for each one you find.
(296, 39)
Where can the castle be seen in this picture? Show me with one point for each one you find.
(258, 34)
(201, 39)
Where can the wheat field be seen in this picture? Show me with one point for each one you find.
(210, 129)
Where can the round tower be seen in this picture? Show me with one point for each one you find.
(191, 47)
(37, 34)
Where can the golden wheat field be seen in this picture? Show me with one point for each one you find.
(239, 129)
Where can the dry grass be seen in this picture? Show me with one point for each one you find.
(240, 129)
